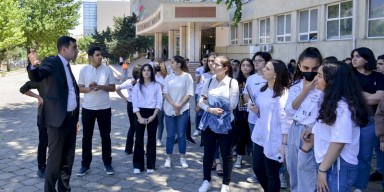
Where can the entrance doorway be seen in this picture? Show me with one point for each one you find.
(208, 41)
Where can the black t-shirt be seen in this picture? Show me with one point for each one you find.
(370, 84)
(241, 113)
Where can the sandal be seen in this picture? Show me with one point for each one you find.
(219, 169)
(213, 166)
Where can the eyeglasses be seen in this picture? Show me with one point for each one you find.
(258, 60)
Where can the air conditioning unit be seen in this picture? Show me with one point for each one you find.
(267, 48)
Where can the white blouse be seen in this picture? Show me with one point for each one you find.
(148, 97)
(129, 87)
(253, 82)
(307, 113)
(221, 89)
(273, 122)
(177, 87)
(342, 131)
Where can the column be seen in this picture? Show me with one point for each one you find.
(294, 26)
(183, 41)
(321, 26)
(272, 29)
(193, 42)
(171, 44)
(255, 31)
(158, 45)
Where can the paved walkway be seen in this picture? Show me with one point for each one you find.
(18, 146)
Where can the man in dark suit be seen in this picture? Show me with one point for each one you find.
(60, 111)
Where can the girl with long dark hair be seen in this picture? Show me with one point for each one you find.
(146, 117)
(302, 106)
(178, 88)
(128, 85)
(241, 114)
(336, 132)
(372, 84)
(219, 98)
(267, 135)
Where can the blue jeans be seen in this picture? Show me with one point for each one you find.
(173, 125)
(368, 140)
(125, 74)
(379, 157)
(198, 116)
(160, 129)
(301, 166)
(341, 178)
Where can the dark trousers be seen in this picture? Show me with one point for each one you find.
(138, 154)
(242, 136)
(225, 144)
(266, 170)
(42, 147)
(131, 130)
(88, 117)
(62, 144)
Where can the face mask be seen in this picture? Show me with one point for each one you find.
(309, 76)
(157, 68)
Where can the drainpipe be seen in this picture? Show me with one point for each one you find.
(354, 24)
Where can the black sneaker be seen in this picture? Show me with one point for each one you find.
(128, 152)
(41, 172)
(191, 141)
(376, 176)
(83, 171)
(175, 140)
(109, 170)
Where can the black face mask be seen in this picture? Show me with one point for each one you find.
(157, 68)
(309, 76)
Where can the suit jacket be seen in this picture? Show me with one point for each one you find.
(54, 107)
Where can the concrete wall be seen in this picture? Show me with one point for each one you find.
(107, 10)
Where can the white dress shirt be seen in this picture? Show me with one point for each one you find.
(147, 97)
(221, 89)
(102, 75)
(273, 122)
(72, 102)
(342, 131)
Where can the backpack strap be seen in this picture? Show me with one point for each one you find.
(210, 81)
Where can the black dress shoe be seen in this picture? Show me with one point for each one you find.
(376, 176)
(41, 172)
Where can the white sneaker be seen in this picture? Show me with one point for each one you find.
(357, 190)
(183, 163)
(150, 170)
(238, 161)
(158, 143)
(197, 133)
(224, 188)
(283, 182)
(205, 186)
(252, 179)
(136, 171)
(167, 163)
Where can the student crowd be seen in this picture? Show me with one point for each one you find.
(318, 118)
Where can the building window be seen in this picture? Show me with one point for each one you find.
(376, 18)
(264, 34)
(283, 28)
(308, 25)
(247, 29)
(339, 21)
(233, 35)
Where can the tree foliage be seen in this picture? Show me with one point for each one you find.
(238, 3)
(84, 43)
(46, 21)
(11, 33)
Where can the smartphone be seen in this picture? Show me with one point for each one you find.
(279, 157)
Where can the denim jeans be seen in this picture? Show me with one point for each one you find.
(379, 157)
(198, 115)
(160, 129)
(367, 143)
(173, 125)
(342, 177)
(125, 74)
(301, 166)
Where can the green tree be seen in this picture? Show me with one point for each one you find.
(46, 21)
(101, 40)
(84, 43)
(11, 33)
(238, 3)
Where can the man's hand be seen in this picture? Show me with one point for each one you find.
(40, 101)
(33, 58)
(77, 128)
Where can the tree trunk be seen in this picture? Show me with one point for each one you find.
(7, 58)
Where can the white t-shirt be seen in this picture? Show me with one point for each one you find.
(273, 122)
(253, 83)
(147, 97)
(160, 79)
(103, 75)
(342, 131)
(177, 87)
(307, 113)
(204, 78)
(129, 87)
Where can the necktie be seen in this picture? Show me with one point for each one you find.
(73, 79)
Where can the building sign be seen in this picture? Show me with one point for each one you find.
(151, 22)
(183, 12)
